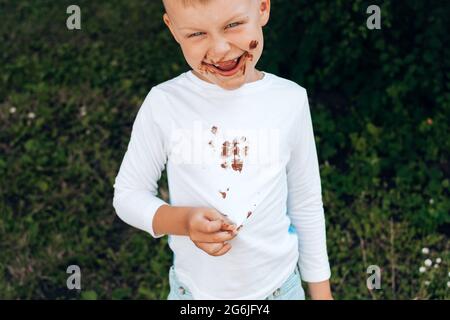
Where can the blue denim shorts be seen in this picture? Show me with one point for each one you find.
(291, 289)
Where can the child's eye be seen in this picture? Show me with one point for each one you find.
(234, 24)
(196, 34)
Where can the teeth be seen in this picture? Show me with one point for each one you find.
(234, 60)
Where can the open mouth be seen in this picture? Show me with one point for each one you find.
(227, 68)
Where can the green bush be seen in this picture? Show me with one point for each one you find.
(380, 106)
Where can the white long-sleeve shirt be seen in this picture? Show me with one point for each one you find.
(249, 153)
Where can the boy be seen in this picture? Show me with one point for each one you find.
(246, 216)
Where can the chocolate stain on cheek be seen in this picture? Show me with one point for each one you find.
(253, 44)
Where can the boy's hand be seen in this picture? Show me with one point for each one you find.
(209, 230)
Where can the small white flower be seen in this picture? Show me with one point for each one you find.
(431, 201)
(12, 110)
(31, 115)
(438, 260)
(428, 262)
(425, 250)
(449, 273)
(422, 269)
(436, 266)
(427, 283)
(83, 111)
(448, 284)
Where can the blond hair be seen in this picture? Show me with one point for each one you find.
(187, 3)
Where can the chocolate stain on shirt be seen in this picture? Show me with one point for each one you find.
(235, 151)
(237, 165)
(224, 194)
(226, 149)
(249, 214)
(237, 162)
(253, 44)
(214, 129)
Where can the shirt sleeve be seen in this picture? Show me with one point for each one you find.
(135, 186)
(305, 207)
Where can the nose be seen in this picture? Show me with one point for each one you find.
(219, 48)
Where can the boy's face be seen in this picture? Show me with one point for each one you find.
(218, 32)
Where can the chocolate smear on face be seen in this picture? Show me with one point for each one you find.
(203, 69)
(253, 44)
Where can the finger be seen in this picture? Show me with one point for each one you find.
(208, 226)
(220, 236)
(222, 251)
(209, 248)
(226, 226)
(227, 220)
(213, 214)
